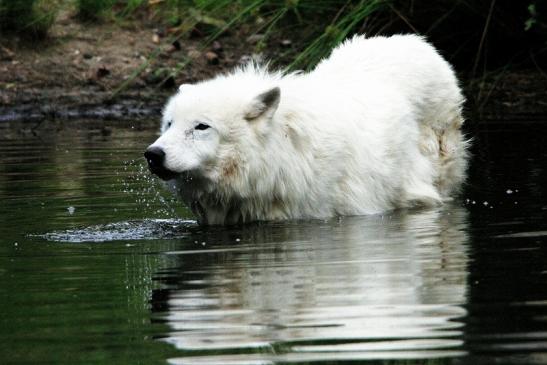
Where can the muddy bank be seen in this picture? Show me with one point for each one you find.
(78, 71)
(123, 111)
(518, 93)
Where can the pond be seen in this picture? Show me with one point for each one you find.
(99, 266)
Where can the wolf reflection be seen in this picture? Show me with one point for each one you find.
(400, 276)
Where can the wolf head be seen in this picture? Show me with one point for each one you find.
(212, 129)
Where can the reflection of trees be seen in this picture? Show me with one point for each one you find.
(28, 178)
(402, 276)
(54, 166)
(72, 303)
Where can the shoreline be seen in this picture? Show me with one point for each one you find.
(74, 75)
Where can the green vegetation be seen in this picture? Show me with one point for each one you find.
(31, 18)
(478, 36)
(318, 25)
(93, 9)
(315, 26)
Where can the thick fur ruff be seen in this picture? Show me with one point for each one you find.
(374, 127)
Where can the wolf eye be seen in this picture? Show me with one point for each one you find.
(169, 124)
(202, 127)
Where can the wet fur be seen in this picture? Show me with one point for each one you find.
(374, 127)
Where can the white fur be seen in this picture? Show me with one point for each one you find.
(376, 126)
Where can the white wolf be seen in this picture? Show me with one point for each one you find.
(374, 127)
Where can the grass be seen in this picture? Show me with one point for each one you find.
(494, 31)
(30, 18)
(344, 22)
(93, 10)
(322, 24)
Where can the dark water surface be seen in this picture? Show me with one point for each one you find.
(99, 266)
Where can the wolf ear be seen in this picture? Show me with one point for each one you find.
(264, 104)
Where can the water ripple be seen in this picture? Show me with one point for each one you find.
(147, 229)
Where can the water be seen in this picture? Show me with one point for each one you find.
(99, 266)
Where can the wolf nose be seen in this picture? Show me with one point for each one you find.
(155, 157)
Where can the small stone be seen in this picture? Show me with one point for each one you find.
(176, 45)
(156, 38)
(194, 54)
(170, 49)
(6, 54)
(212, 58)
(88, 56)
(255, 57)
(255, 38)
(161, 32)
(245, 59)
(196, 33)
(217, 47)
(286, 43)
(102, 72)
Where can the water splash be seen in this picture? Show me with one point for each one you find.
(147, 229)
(149, 192)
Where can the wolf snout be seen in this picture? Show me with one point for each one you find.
(155, 156)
